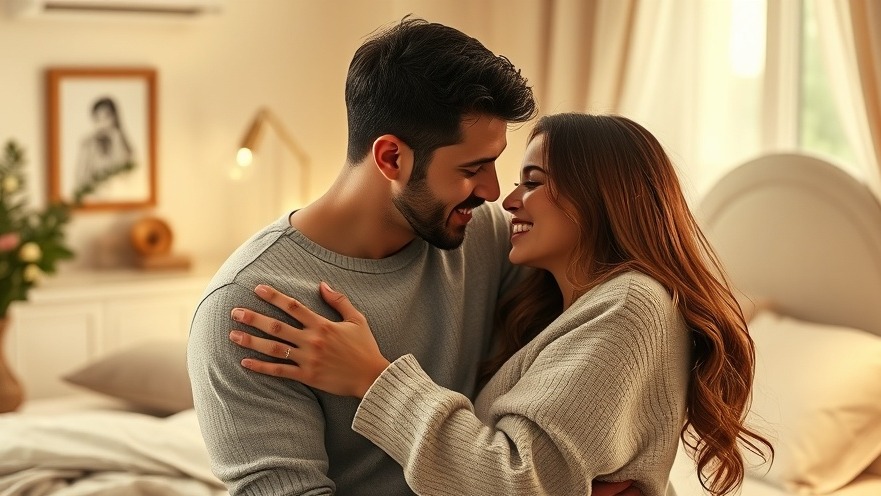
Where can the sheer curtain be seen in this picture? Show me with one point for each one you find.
(851, 34)
(695, 79)
(716, 81)
(584, 47)
(574, 52)
(866, 21)
(635, 58)
(679, 67)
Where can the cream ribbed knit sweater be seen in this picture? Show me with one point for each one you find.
(599, 394)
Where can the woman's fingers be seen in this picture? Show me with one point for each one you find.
(266, 324)
(341, 304)
(283, 370)
(287, 369)
(288, 305)
(268, 347)
(285, 351)
(338, 357)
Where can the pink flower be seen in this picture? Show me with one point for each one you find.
(9, 241)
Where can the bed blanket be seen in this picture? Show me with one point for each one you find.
(104, 452)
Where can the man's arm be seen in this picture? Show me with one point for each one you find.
(599, 488)
(264, 436)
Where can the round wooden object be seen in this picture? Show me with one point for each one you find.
(151, 236)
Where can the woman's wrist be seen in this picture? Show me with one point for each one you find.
(376, 369)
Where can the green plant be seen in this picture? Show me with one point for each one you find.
(32, 240)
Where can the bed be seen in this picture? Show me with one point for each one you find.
(131, 430)
(801, 241)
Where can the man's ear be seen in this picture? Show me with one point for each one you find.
(393, 157)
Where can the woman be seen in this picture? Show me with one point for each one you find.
(625, 338)
(107, 146)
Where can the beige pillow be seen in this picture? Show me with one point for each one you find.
(752, 306)
(152, 376)
(817, 395)
(875, 467)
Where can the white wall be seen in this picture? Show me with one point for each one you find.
(213, 74)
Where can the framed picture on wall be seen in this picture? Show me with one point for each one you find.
(100, 119)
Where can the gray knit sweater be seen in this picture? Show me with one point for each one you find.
(598, 394)
(268, 436)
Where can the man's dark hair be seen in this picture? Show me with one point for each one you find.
(417, 80)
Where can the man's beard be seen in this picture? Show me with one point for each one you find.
(427, 215)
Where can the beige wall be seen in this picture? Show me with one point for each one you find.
(213, 73)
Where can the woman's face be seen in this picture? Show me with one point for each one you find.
(104, 118)
(542, 235)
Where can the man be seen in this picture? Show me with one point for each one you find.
(428, 109)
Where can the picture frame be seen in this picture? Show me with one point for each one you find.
(100, 118)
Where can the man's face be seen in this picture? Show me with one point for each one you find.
(460, 177)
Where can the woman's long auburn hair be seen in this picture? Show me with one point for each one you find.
(621, 189)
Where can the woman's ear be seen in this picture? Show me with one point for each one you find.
(393, 157)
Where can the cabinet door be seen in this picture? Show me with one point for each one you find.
(75, 321)
(45, 344)
(131, 321)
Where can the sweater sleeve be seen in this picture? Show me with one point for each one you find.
(593, 401)
(241, 413)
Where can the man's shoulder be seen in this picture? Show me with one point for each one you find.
(257, 248)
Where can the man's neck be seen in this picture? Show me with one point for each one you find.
(355, 218)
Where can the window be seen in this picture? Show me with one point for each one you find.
(724, 81)
(820, 129)
(765, 85)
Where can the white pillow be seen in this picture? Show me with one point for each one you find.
(817, 394)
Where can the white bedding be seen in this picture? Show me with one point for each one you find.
(79, 402)
(92, 452)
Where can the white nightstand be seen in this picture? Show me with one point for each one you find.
(79, 315)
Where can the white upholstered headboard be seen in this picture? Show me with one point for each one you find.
(803, 233)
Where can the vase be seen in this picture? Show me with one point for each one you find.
(11, 392)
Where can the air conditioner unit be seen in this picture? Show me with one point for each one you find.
(167, 8)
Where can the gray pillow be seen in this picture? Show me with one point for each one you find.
(151, 375)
